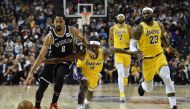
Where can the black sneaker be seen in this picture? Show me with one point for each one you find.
(174, 107)
(141, 90)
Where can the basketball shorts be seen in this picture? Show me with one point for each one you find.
(151, 66)
(92, 79)
(49, 71)
(124, 59)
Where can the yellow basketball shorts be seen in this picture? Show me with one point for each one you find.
(124, 59)
(92, 81)
(152, 66)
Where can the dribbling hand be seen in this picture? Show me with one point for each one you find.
(29, 80)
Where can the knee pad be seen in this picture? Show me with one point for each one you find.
(147, 86)
(165, 75)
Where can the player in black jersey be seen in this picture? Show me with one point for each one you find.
(59, 41)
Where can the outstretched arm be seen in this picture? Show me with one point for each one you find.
(111, 51)
(79, 35)
(165, 42)
(47, 42)
(71, 57)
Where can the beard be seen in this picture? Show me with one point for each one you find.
(148, 19)
(58, 28)
(121, 21)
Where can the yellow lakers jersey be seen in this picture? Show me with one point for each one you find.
(121, 36)
(150, 40)
(91, 67)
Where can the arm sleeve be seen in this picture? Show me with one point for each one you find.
(133, 45)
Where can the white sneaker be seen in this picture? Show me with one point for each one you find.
(123, 99)
(80, 107)
(86, 106)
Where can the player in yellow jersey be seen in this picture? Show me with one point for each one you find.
(119, 37)
(149, 35)
(89, 68)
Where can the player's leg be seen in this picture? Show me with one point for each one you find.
(82, 93)
(127, 62)
(120, 70)
(126, 75)
(148, 70)
(92, 84)
(60, 71)
(47, 73)
(170, 90)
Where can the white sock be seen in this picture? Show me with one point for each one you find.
(172, 101)
(120, 71)
(86, 101)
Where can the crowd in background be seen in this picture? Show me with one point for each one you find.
(23, 24)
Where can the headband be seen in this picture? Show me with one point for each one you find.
(120, 15)
(147, 9)
(95, 43)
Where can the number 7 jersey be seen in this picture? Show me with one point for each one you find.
(121, 36)
(150, 40)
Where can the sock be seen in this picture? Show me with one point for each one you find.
(122, 94)
(37, 104)
(172, 101)
(55, 97)
(86, 101)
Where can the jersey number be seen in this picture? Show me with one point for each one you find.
(63, 49)
(153, 39)
(120, 36)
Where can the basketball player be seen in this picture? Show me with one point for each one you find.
(150, 36)
(90, 69)
(119, 37)
(59, 40)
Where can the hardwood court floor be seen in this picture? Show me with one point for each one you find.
(106, 97)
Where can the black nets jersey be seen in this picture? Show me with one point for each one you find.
(62, 45)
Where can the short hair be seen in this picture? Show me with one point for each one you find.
(25, 105)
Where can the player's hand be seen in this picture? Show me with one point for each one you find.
(91, 53)
(29, 79)
(173, 51)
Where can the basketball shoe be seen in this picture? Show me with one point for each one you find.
(141, 90)
(122, 97)
(53, 106)
(174, 107)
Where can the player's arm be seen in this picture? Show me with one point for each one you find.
(76, 33)
(71, 57)
(47, 42)
(165, 42)
(130, 29)
(136, 34)
(111, 51)
(111, 39)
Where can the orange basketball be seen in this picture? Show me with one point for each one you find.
(25, 105)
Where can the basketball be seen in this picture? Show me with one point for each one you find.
(25, 105)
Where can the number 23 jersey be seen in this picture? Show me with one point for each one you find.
(150, 40)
